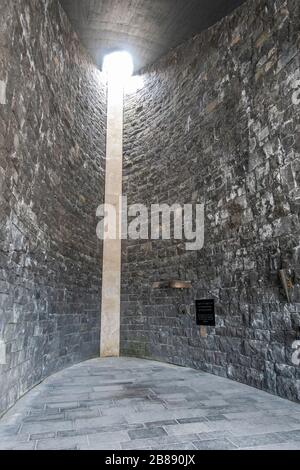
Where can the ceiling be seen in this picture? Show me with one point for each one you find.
(145, 28)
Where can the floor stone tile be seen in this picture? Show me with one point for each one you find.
(257, 440)
(154, 424)
(7, 443)
(82, 413)
(103, 446)
(9, 430)
(192, 420)
(117, 411)
(282, 446)
(62, 406)
(205, 436)
(44, 417)
(46, 426)
(188, 428)
(146, 433)
(142, 443)
(179, 446)
(42, 435)
(19, 446)
(155, 407)
(218, 417)
(108, 388)
(215, 444)
(293, 435)
(145, 417)
(108, 438)
(68, 443)
(99, 421)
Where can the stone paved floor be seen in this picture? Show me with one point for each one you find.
(137, 404)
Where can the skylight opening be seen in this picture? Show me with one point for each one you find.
(118, 65)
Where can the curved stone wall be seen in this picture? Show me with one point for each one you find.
(217, 121)
(52, 144)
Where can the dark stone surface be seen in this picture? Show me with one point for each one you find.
(52, 143)
(217, 121)
(145, 28)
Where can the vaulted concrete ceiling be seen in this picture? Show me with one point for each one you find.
(145, 28)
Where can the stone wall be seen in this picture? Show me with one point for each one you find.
(217, 121)
(52, 144)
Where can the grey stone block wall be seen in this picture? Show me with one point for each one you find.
(217, 121)
(52, 144)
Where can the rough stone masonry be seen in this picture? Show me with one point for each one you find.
(217, 121)
(52, 145)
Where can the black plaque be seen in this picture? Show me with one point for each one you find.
(205, 312)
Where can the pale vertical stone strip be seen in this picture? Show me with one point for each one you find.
(111, 276)
(2, 352)
(2, 92)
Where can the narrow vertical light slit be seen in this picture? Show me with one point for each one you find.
(117, 66)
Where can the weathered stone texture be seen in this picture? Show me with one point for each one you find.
(217, 121)
(52, 143)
